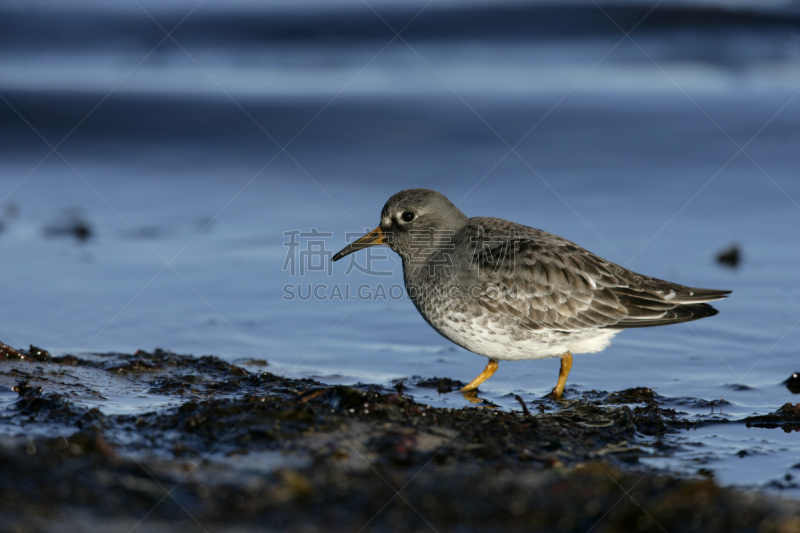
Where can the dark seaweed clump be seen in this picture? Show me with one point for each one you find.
(258, 452)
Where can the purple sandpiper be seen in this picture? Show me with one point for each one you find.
(511, 292)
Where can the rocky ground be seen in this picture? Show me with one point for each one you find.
(228, 449)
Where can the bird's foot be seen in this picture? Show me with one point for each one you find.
(555, 394)
(472, 397)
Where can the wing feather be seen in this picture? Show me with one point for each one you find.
(547, 282)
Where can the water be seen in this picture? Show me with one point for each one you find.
(189, 162)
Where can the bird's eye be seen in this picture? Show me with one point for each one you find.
(407, 216)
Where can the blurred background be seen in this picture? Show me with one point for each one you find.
(178, 174)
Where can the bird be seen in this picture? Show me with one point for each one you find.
(512, 292)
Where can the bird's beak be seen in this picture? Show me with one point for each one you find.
(372, 238)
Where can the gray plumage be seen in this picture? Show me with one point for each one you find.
(509, 291)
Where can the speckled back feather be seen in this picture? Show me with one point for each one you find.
(548, 282)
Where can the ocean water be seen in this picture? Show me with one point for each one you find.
(187, 191)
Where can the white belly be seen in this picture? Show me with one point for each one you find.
(506, 342)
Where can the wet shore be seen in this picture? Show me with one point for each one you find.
(212, 446)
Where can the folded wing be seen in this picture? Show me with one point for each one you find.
(547, 282)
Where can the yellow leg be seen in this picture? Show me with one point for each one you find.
(566, 366)
(483, 376)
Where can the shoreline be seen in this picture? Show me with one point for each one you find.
(233, 450)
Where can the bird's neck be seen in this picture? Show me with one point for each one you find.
(428, 246)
